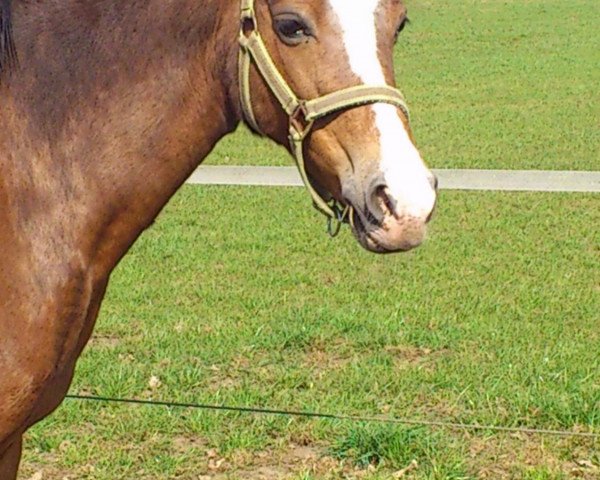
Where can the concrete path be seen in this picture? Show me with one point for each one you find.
(507, 180)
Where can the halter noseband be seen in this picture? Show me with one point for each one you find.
(301, 113)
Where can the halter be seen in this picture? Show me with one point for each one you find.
(301, 113)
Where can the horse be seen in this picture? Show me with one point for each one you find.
(107, 107)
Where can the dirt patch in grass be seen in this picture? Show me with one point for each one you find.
(104, 341)
(185, 444)
(48, 471)
(409, 356)
(291, 462)
(513, 456)
(325, 358)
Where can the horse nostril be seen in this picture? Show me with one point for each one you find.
(384, 200)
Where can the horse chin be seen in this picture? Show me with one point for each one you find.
(377, 239)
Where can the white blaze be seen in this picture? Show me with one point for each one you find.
(405, 173)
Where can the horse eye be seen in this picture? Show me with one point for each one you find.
(291, 30)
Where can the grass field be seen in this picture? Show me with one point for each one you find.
(491, 84)
(494, 320)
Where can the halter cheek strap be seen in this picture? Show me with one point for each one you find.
(301, 113)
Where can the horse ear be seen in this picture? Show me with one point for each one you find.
(8, 52)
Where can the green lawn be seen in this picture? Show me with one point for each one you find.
(494, 320)
(491, 84)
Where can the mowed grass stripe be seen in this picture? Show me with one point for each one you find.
(491, 84)
(494, 320)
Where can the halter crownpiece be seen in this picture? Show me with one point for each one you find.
(301, 113)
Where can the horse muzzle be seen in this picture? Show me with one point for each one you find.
(390, 219)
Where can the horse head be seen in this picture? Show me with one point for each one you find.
(359, 154)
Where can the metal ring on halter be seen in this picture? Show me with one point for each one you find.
(334, 225)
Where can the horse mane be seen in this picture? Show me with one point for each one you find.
(8, 52)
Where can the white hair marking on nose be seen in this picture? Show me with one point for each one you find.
(405, 173)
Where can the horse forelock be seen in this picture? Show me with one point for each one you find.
(8, 52)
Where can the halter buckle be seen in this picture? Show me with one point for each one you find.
(299, 123)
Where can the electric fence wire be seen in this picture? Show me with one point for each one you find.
(338, 417)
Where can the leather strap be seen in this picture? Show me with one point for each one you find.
(354, 97)
(255, 46)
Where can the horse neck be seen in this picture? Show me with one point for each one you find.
(112, 107)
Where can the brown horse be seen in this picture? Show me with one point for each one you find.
(106, 107)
